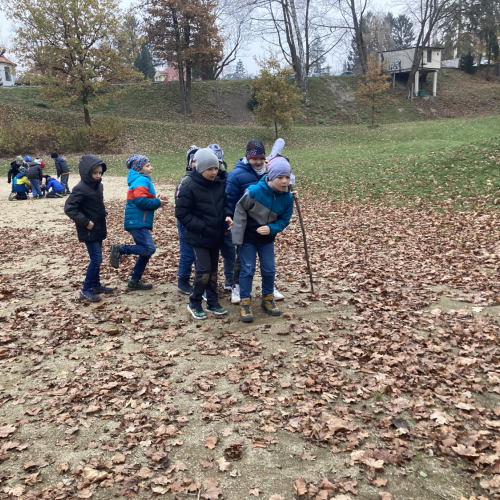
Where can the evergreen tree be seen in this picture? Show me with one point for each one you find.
(144, 62)
(317, 58)
(402, 31)
(240, 70)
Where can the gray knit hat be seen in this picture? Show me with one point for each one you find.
(205, 158)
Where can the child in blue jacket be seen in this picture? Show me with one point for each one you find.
(264, 211)
(139, 214)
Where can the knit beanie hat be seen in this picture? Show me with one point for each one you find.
(189, 155)
(27, 158)
(278, 166)
(255, 149)
(218, 151)
(205, 158)
(136, 162)
(19, 158)
(54, 155)
(22, 169)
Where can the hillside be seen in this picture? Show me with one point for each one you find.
(331, 102)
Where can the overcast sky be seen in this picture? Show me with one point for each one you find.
(335, 59)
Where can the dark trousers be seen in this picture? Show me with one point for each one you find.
(186, 259)
(144, 247)
(92, 278)
(64, 181)
(205, 278)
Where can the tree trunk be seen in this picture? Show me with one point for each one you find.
(189, 73)
(360, 42)
(373, 110)
(276, 129)
(302, 57)
(86, 112)
(487, 75)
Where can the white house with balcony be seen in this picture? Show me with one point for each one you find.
(400, 61)
(7, 76)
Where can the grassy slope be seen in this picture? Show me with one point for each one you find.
(350, 160)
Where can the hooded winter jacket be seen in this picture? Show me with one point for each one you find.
(86, 202)
(201, 207)
(21, 183)
(261, 205)
(35, 171)
(13, 171)
(141, 201)
(61, 166)
(55, 185)
(242, 176)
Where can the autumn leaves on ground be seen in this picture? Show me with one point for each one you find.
(384, 385)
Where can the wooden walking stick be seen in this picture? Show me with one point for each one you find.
(297, 204)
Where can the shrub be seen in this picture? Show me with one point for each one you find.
(105, 136)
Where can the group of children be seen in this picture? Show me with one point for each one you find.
(238, 214)
(27, 174)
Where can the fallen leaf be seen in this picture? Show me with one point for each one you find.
(224, 465)
(211, 442)
(300, 486)
(255, 492)
(5, 430)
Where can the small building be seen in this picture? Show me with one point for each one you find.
(7, 73)
(169, 74)
(400, 61)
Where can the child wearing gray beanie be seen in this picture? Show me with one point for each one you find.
(205, 158)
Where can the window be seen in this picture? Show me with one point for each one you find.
(7, 75)
(429, 56)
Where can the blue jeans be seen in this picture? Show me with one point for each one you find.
(92, 280)
(144, 247)
(186, 259)
(228, 252)
(35, 187)
(248, 256)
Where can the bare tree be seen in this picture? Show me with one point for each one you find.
(297, 26)
(430, 16)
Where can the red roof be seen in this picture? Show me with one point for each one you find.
(3, 59)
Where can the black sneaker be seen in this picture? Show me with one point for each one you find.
(114, 256)
(184, 286)
(138, 285)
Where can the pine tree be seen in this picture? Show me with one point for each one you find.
(240, 69)
(144, 62)
(402, 31)
(317, 58)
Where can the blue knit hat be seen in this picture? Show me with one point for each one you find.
(255, 149)
(218, 151)
(27, 158)
(136, 162)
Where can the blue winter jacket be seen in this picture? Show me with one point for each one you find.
(242, 176)
(261, 205)
(55, 185)
(21, 183)
(141, 202)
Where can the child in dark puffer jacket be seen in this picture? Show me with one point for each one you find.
(139, 214)
(201, 207)
(62, 170)
(85, 207)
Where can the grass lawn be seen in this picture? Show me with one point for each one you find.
(433, 159)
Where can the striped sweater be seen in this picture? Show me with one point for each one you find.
(141, 202)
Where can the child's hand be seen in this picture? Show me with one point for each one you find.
(295, 194)
(229, 223)
(163, 203)
(264, 230)
(90, 225)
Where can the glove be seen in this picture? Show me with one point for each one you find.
(8, 182)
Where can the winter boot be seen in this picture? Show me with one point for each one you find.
(184, 286)
(89, 296)
(246, 311)
(114, 256)
(102, 289)
(269, 306)
(134, 285)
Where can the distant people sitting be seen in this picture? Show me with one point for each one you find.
(53, 188)
(21, 185)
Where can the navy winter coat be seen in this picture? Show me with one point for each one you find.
(242, 176)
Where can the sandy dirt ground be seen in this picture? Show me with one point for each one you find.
(130, 397)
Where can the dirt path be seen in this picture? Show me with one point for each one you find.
(366, 390)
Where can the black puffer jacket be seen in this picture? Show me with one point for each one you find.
(35, 171)
(13, 171)
(86, 202)
(201, 207)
